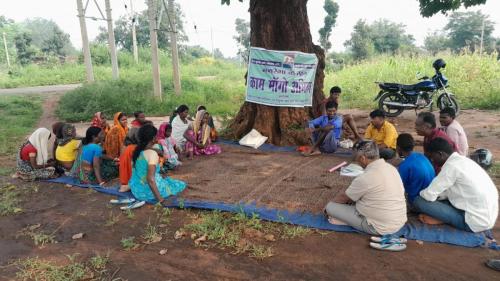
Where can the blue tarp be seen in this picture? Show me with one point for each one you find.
(412, 230)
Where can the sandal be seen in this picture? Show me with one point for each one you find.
(135, 205)
(393, 247)
(388, 240)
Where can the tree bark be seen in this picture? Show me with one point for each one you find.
(280, 25)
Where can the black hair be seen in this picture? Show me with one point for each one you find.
(120, 115)
(178, 110)
(137, 113)
(335, 89)
(145, 135)
(377, 113)
(429, 118)
(440, 145)
(448, 110)
(57, 129)
(201, 107)
(168, 127)
(331, 104)
(91, 133)
(405, 142)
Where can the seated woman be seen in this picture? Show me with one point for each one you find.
(113, 144)
(33, 157)
(198, 137)
(167, 146)
(93, 166)
(126, 159)
(147, 183)
(56, 135)
(180, 124)
(140, 119)
(99, 120)
(67, 147)
(213, 132)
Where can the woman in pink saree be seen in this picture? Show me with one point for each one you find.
(198, 137)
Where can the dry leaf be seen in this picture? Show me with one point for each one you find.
(162, 225)
(179, 234)
(33, 227)
(201, 239)
(269, 237)
(163, 251)
(420, 242)
(193, 236)
(77, 236)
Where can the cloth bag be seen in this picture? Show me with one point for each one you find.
(253, 139)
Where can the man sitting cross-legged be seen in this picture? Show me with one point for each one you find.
(416, 170)
(378, 195)
(325, 131)
(383, 133)
(461, 195)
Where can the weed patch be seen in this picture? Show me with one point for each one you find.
(129, 244)
(9, 200)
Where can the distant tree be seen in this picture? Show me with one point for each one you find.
(361, 44)
(48, 36)
(25, 51)
(389, 37)
(243, 38)
(332, 10)
(5, 21)
(123, 30)
(196, 52)
(429, 8)
(464, 30)
(218, 54)
(436, 42)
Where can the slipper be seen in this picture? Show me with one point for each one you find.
(394, 247)
(388, 240)
(335, 221)
(134, 205)
(493, 264)
(122, 200)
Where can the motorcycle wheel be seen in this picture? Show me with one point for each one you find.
(390, 111)
(443, 102)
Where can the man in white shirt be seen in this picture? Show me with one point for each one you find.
(378, 195)
(462, 194)
(454, 130)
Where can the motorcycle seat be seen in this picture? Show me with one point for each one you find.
(398, 87)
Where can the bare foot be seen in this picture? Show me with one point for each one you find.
(335, 221)
(124, 188)
(311, 153)
(429, 220)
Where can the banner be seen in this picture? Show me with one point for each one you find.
(281, 78)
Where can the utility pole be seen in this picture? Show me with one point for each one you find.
(134, 37)
(6, 50)
(173, 41)
(212, 41)
(153, 34)
(85, 42)
(111, 41)
(482, 36)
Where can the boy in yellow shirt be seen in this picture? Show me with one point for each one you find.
(383, 133)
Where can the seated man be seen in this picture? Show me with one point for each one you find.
(325, 131)
(416, 170)
(379, 202)
(425, 125)
(454, 130)
(348, 120)
(468, 197)
(383, 133)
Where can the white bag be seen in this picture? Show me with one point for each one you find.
(352, 170)
(253, 139)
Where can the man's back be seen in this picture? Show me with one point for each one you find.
(379, 196)
(416, 172)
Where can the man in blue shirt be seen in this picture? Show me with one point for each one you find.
(416, 170)
(325, 131)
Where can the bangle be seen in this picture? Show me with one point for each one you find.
(102, 183)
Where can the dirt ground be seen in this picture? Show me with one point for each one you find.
(275, 179)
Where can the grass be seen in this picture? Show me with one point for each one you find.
(242, 234)
(18, 116)
(494, 170)
(112, 219)
(128, 243)
(10, 200)
(34, 268)
(39, 237)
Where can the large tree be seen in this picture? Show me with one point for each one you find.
(25, 52)
(464, 30)
(429, 8)
(242, 38)
(436, 42)
(48, 36)
(361, 44)
(331, 8)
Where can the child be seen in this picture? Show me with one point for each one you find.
(168, 147)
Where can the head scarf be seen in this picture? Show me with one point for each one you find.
(115, 138)
(123, 130)
(161, 131)
(67, 134)
(97, 120)
(39, 139)
(203, 129)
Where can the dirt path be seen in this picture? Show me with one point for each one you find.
(39, 89)
(317, 256)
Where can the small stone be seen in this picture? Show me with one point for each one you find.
(270, 237)
(179, 234)
(163, 251)
(77, 236)
(193, 236)
(200, 240)
(420, 242)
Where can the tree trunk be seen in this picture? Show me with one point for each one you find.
(280, 25)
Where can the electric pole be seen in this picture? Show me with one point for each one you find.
(111, 41)
(85, 42)
(212, 41)
(134, 37)
(153, 34)
(482, 36)
(175, 54)
(6, 50)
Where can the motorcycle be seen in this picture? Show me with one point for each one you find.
(394, 98)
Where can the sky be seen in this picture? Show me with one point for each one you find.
(215, 23)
